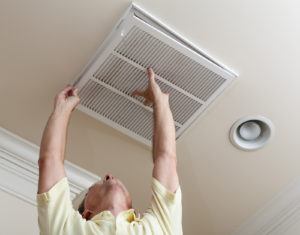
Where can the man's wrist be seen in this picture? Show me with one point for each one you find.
(61, 113)
(161, 102)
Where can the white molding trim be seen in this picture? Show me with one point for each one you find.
(19, 169)
(277, 216)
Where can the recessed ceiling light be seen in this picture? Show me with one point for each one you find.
(251, 133)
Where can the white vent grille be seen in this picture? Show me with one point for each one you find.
(119, 67)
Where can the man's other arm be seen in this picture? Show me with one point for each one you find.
(164, 143)
(52, 149)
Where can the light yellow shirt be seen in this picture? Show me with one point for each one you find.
(56, 215)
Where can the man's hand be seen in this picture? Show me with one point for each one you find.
(66, 100)
(153, 93)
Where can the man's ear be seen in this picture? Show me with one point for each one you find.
(87, 214)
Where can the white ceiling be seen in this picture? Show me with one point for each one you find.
(43, 45)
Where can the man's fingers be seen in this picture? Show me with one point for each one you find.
(147, 102)
(67, 88)
(151, 74)
(138, 93)
(75, 92)
(65, 91)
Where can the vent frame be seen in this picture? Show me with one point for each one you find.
(140, 18)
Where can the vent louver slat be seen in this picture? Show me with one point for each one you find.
(170, 64)
(121, 75)
(117, 108)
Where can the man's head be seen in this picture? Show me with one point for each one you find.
(107, 194)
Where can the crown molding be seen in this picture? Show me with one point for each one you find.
(277, 216)
(19, 169)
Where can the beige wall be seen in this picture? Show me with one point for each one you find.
(295, 229)
(17, 217)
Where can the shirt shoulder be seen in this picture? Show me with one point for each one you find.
(167, 196)
(60, 189)
(166, 207)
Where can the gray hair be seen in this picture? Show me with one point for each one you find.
(81, 207)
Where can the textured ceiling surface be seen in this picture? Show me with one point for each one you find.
(44, 44)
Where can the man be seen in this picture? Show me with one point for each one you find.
(107, 207)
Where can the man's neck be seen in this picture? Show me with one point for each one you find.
(114, 209)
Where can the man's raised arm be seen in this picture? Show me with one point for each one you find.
(52, 150)
(164, 145)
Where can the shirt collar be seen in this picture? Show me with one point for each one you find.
(127, 215)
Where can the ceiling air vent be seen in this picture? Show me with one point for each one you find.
(138, 41)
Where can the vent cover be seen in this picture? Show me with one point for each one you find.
(139, 41)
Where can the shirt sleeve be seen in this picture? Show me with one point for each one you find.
(55, 210)
(167, 208)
